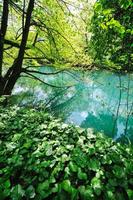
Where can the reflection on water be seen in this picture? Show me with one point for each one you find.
(98, 99)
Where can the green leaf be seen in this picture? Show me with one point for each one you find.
(73, 167)
(28, 144)
(110, 195)
(130, 194)
(98, 7)
(119, 171)
(17, 192)
(7, 184)
(86, 193)
(66, 185)
(30, 192)
(16, 137)
(82, 175)
(94, 164)
(96, 184)
(49, 151)
(113, 182)
(43, 186)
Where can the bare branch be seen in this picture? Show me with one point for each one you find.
(42, 73)
(48, 84)
(16, 7)
(13, 44)
(35, 40)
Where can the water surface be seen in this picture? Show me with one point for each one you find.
(100, 99)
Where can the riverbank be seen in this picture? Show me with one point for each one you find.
(43, 158)
(94, 66)
(88, 67)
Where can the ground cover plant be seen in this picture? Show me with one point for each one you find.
(43, 158)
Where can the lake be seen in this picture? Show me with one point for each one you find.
(98, 99)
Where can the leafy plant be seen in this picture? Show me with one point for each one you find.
(43, 158)
(112, 36)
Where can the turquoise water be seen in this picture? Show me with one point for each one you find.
(100, 99)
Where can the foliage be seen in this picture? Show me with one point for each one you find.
(43, 158)
(112, 30)
(54, 36)
(40, 32)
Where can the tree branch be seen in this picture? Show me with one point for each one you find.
(48, 84)
(13, 44)
(16, 7)
(42, 25)
(42, 73)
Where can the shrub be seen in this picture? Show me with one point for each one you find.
(43, 158)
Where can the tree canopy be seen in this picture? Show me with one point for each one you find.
(112, 28)
(40, 32)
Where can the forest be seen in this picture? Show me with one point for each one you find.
(66, 99)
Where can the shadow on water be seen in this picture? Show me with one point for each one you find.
(100, 100)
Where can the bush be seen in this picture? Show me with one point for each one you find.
(43, 158)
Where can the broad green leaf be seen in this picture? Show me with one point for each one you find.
(82, 175)
(17, 192)
(130, 194)
(66, 185)
(30, 192)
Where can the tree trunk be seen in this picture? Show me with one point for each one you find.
(12, 75)
(3, 29)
